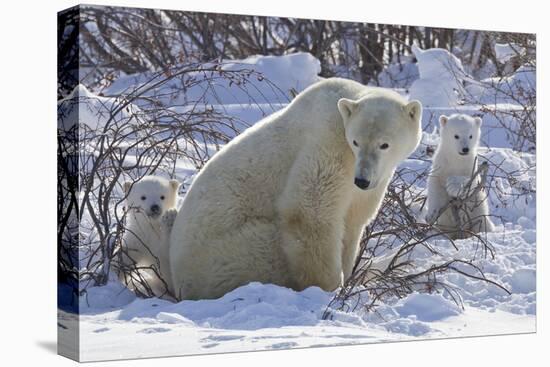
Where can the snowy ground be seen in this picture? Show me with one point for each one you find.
(265, 317)
(114, 324)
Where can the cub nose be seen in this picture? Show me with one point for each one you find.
(155, 209)
(361, 183)
(465, 150)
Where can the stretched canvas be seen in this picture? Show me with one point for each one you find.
(232, 183)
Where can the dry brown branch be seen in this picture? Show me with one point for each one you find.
(396, 231)
(138, 134)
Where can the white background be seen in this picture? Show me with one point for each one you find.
(28, 181)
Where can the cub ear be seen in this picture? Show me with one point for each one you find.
(346, 107)
(175, 185)
(443, 120)
(414, 110)
(127, 185)
(478, 121)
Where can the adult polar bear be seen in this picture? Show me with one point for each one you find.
(286, 201)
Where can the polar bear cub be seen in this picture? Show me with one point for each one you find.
(151, 211)
(454, 163)
(286, 201)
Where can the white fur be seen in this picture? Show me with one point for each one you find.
(279, 205)
(146, 238)
(451, 172)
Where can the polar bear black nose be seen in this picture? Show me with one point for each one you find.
(465, 150)
(361, 183)
(155, 209)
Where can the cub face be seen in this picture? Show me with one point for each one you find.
(460, 134)
(381, 131)
(152, 195)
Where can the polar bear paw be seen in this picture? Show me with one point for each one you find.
(169, 217)
(455, 185)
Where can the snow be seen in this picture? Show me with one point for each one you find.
(268, 88)
(294, 71)
(399, 74)
(252, 307)
(115, 324)
(427, 307)
(493, 133)
(94, 111)
(523, 280)
(440, 78)
(519, 87)
(260, 317)
(505, 51)
(263, 316)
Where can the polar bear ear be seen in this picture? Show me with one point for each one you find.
(127, 185)
(346, 107)
(414, 110)
(478, 121)
(175, 185)
(443, 120)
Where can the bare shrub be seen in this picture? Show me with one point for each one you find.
(145, 132)
(386, 267)
(510, 97)
(139, 132)
(131, 40)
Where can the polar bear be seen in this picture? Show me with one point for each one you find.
(287, 200)
(151, 211)
(454, 163)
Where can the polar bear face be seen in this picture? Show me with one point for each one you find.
(460, 134)
(152, 195)
(381, 129)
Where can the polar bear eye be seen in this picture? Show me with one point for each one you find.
(355, 143)
(143, 198)
(162, 197)
(384, 146)
(456, 136)
(470, 136)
